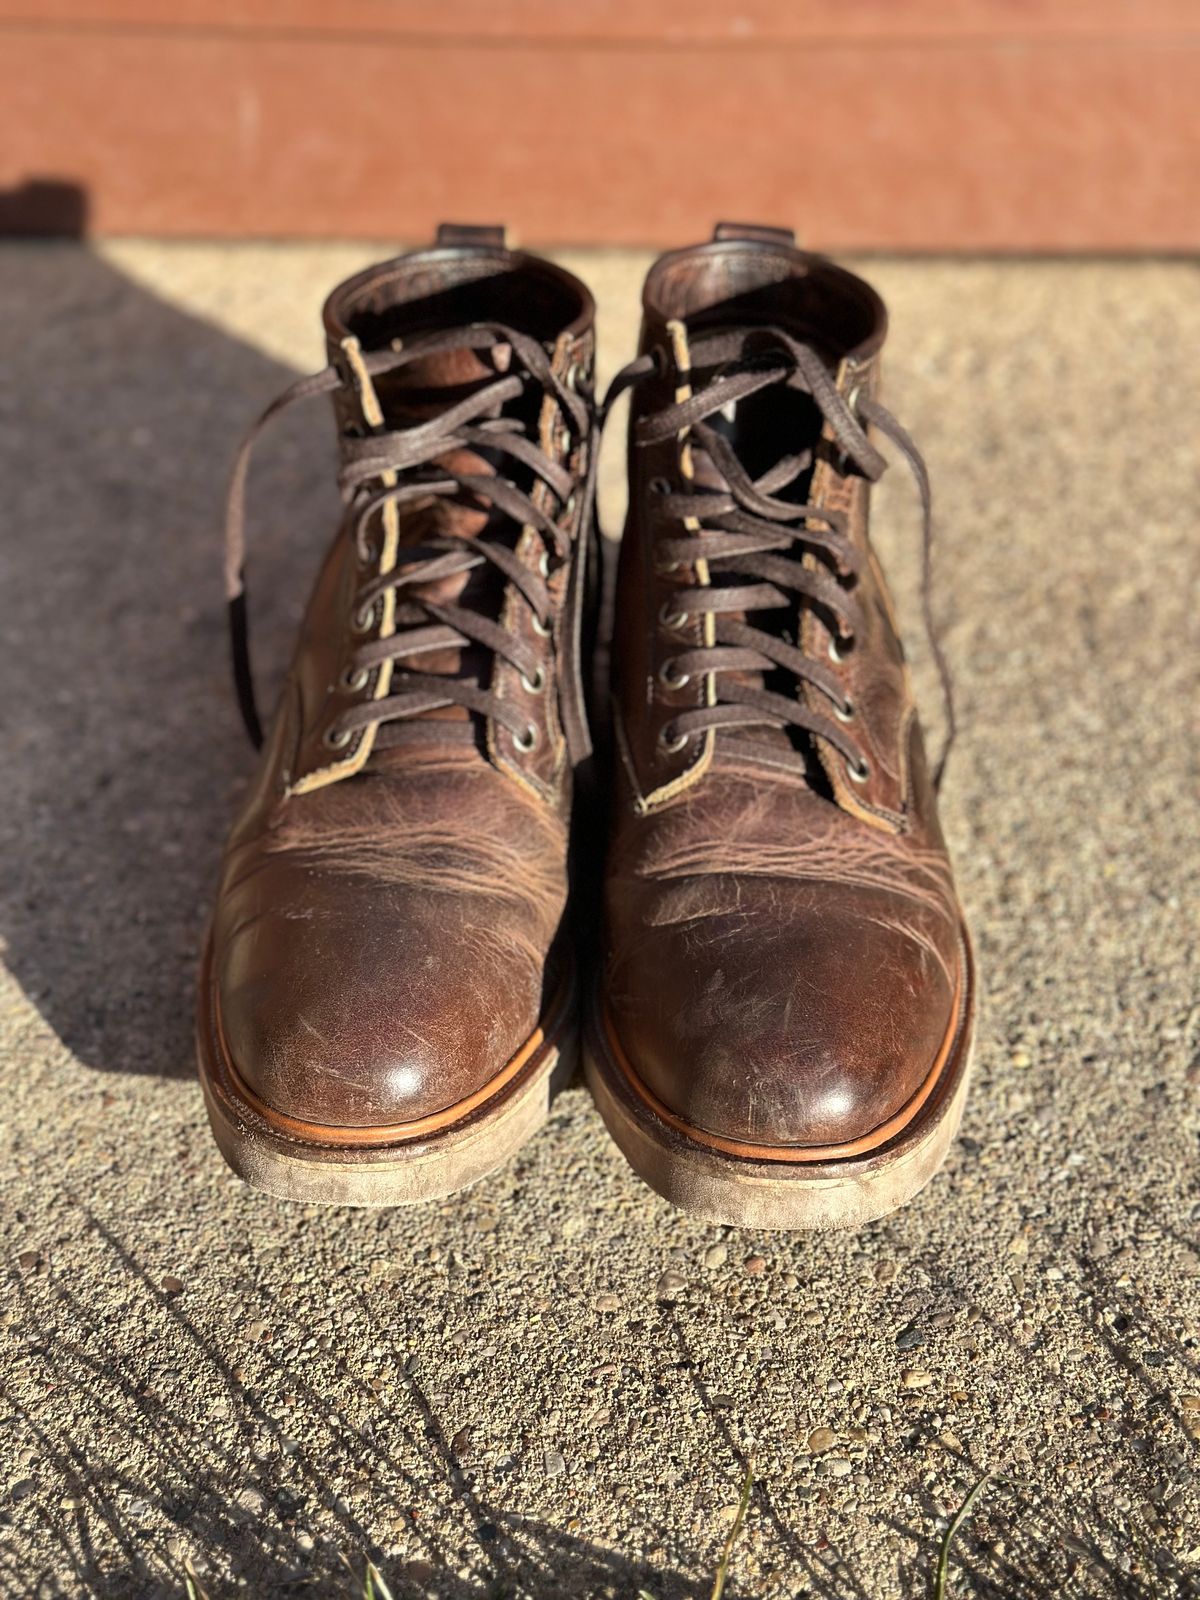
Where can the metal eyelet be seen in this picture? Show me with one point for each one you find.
(671, 619)
(537, 683)
(665, 568)
(337, 738)
(574, 373)
(571, 502)
(526, 741)
(355, 678)
(671, 746)
(542, 629)
(836, 653)
(670, 678)
(368, 554)
(852, 400)
(858, 771)
(845, 713)
(544, 564)
(364, 618)
(659, 486)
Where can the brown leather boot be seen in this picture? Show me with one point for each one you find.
(386, 998)
(782, 1033)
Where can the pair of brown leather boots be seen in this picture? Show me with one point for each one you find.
(777, 1011)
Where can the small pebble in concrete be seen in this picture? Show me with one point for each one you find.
(835, 1467)
(669, 1285)
(916, 1378)
(756, 1266)
(554, 1464)
(821, 1439)
(716, 1256)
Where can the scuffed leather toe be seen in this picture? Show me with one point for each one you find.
(354, 1005)
(800, 1014)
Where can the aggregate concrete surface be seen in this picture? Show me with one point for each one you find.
(552, 1385)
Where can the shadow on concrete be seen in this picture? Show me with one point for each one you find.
(210, 1462)
(1020, 1547)
(121, 746)
(818, 1570)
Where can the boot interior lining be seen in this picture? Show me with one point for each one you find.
(533, 297)
(735, 286)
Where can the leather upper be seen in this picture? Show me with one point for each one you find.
(785, 954)
(388, 931)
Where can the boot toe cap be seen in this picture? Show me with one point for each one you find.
(347, 1008)
(811, 1026)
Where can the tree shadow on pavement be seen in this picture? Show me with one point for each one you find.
(179, 1453)
(821, 1571)
(1014, 1549)
(120, 742)
(1022, 1545)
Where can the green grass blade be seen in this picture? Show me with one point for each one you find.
(956, 1522)
(376, 1588)
(718, 1588)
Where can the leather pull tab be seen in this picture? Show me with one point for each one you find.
(485, 236)
(757, 232)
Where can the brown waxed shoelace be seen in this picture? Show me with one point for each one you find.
(753, 540)
(412, 454)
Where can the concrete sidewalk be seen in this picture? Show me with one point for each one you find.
(552, 1386)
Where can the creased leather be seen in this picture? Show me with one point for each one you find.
(784, 961)
(385, 944)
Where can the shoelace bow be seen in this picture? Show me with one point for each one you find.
(421, 624)
(754, 539)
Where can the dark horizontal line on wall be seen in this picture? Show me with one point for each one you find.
(1114, 39)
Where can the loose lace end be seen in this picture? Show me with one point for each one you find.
(243, 679)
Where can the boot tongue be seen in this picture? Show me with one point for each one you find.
(422, 388)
